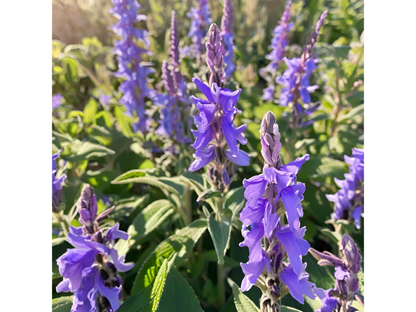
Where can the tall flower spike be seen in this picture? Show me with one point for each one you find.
(130, 65)
(228, 37)
(90, 269)
(346, 271)
(295, 80)
(215, 55)
(278, 45)
(268, 239)
(56, 184)
(349, 200)
(179, 81)
(201, 18)
(217, 137)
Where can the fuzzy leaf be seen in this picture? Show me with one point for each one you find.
(175, 249)
(178, 295)
(220, 233)
(144, 180)
(62, 304)
(242, 302)
(208, 194)
(151, 217)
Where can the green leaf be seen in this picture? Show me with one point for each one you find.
(123, 120)
(58, 240)
(353, 112)
(151, 217)
(208, 194)
(178, 295)
(145, 180)
(358, 306)
(148, 299)
(220, 233)
(138, 173)
(175, 249)
(62, 304)
(90, 110)
(322, 276)
(242, 302)
(234, 200)
(85, 150)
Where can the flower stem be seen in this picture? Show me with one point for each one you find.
(188, 206)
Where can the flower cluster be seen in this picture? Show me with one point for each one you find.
(57, 100)
(90, 270)
(295, 80)
(346, 270)
(228, 37)
(175, 85)
(130, 66)
(201, 18)
(56, 184)
(278, 45)
(263, 220)
(215, 124)
(349, 200)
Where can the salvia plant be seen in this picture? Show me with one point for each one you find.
(191, 162)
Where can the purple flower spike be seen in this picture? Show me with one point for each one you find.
(262, 226)
(346, 270)
(295, 80)
(135, 88)
(201, 18)
(280, 40)
(349, 200)
(90, 269)
(228, 37)
(278, 45)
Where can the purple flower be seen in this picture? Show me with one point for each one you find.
(57, 100)
(278, 45)
(228, 37)
(295, 80)
(201, 18)
(346, 270)
(104, 99)
(90, 269)
(131, 67)
(350, 198)
(215, 122)
(261, 223)
(280, 40)
(56, 184)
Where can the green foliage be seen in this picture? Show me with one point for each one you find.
(242, 302)
(62, 304)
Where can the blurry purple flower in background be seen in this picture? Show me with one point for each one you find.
(261, 222)
(135, 89)
(57, 100)
(349, 200)
(278, 45)
(90, 270)
(105, 98)
(346, 274)
(228, 37)
(295, 80)
(56, 184)
(201, 19)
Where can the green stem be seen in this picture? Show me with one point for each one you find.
(188, 206)
(221, 285)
